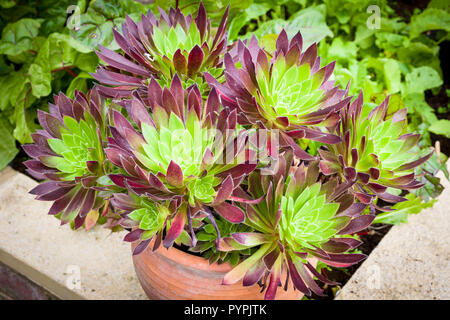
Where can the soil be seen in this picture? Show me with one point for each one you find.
(406, 8)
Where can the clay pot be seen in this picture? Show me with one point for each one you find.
(176, 275)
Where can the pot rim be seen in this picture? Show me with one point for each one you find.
(186, 259)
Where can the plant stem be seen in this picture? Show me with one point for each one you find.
(67, 68)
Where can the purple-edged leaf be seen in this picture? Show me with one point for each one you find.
(247, 201)
(195, 60)
(180, 62)
(270, 259)
(354, 210)
(309, 56)
(239, 170)
(350, 173)
(274, 281)
(201, 21)
(120, 62)
(363, 177)
(250, 239)
(73, 208)
(335, 247)
(174, 175)
(121, 123)
(158, 241)
(133, 235)
(139, 114)
(119, 180)
(391, 198)
(141, 247)
(363, 197)
(176, 227)
(59, 205)
(342, 260)
(376, 188)
(44, 188)
(298, 282)
(320, 277)
(357, 224)
(54, 194)
(374, 173)
(225, 191)
(230, 212)
(254, 274)
(298, 152)
(352, 243)
(282, 42)
(308, 280)
(92, 166)
(88, 204)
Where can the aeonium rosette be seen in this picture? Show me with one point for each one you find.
(375, 152)
(187, 155)
(159, 48)
(302, 216)
(68, 153)
(288, 90)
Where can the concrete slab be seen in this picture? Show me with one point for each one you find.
(55, 257)
(411, 262)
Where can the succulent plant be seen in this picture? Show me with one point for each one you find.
(207, 241)
(68, 153)
(375, 152)
(301, 217)
(145, 217)
(287, 91)
(159, 48)
(186, 152)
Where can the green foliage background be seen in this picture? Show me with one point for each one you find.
(47, 46)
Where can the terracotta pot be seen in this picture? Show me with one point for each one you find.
(176, 275)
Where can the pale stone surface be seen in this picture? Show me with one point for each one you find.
(34, 244)
(411, 262)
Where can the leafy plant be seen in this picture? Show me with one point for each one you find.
(173, 151)
(159, 48)
(69, 154)
(207, 241)
(287, 91)
(44, 49)
(375, 152)
(300, 216)
(399, 58)
(179, 153)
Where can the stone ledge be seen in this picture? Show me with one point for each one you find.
(36, 246)
(411, 262)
